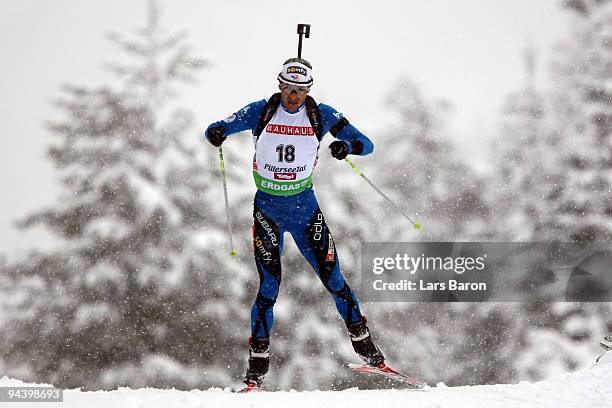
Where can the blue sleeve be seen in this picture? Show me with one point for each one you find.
(245, 119)
(348, 134)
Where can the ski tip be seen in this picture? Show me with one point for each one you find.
(389, 372)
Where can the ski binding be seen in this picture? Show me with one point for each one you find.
(250, 387)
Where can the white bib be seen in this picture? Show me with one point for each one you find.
(285, 153)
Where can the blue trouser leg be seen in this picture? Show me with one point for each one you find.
(267, 246)
(301, 216)
(315, 242)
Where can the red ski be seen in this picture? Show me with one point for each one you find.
(387, 371)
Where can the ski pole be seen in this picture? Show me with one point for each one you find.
(415, 224)
(227, 212)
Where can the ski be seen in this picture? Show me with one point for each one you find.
(606, 343)
(389, 372)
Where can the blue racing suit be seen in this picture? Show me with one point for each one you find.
(298, 214)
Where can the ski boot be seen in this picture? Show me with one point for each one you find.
(363, 344)
(259, 363)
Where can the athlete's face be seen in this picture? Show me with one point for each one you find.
(293, 96)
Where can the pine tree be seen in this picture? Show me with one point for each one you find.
(554, 187)
(528, 176)
(422, 169)
(582, 209)
(134, 284)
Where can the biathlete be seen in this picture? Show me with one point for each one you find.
(287, 132)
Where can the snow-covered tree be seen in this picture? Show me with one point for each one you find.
(582, 206)
(136, 282)
(419, 164)
(554, 185)
(526, 174)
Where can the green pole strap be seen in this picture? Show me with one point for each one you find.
(416, 225)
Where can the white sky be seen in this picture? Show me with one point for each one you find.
(469, 52)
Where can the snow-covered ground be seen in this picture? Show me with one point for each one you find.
(584, 389)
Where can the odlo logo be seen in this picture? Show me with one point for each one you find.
(318, 227)
(267, 256)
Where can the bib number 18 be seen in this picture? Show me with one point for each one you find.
(286, 153)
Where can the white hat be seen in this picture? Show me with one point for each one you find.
(296, 71)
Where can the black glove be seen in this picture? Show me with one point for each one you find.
(339, 149)
(216, 135)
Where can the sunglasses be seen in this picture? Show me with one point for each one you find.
(300, 90)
